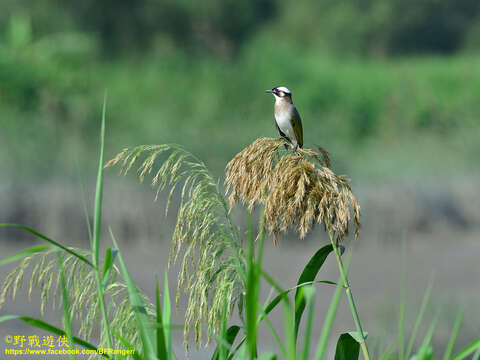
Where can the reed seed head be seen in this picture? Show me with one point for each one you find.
(203, 234)
(298, 189)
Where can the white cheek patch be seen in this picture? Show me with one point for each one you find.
(277, 98)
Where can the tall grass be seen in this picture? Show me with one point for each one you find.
(224, 273)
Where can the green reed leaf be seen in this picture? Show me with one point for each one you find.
(467, 350)
(251, 298)
(418, 321)
(66, 302)
(129, 346)
(161, 347)
(357, 336)
(453, 336)
(141, 317)
(24, 253)
(167, 317)
(229, 338)
(97, 218)
(347, 348)
(329, 319)
(309, 293)
(43, 237)
(110, 256)
(308, 275)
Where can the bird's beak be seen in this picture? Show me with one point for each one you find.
(269, 91)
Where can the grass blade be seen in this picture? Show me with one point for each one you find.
(327, 325)
(107, 263)
(468, 350)
(237, 348)
(272, 304)
(43, 237)
(96, 231)
(347, 348)
(288, 317)
(127, 345)
(141, 317)
(453, 336)
(251, 297)
(289, 329)
(332, 310)
(476, 356)
(161, 347)
(84, 202)
(66, 302)
(426, 350)
(308, 275)
(40, 324)
(223, 333)
(403, 306)
(229, 338)
(167, 317)
(309, 293)
(110, 256)
(23, 253)
(97, 219)
(418, 321)
(357, 336)
(348, 292)
(275, 335)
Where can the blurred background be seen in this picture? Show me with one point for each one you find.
(389, 87)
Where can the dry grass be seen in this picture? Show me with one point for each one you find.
(298, 189)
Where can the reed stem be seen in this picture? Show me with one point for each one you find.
(348, 291)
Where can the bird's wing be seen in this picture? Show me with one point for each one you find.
(297, 127)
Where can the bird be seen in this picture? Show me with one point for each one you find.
(287, 118)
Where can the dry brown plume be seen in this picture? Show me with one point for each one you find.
(298, 189)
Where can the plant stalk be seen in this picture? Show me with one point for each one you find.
(348, 291)
(95, 242)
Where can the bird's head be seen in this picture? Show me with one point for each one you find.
(281, 93)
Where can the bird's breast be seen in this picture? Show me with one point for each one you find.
(283, 117)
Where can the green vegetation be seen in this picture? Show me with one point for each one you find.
(129, 321)
(399, 113)
(387, 86)
(222, 28)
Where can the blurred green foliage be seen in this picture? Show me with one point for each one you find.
(380, 27)
(222, 27)
(194, 73)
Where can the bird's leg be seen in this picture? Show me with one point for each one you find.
(287, 143)
(295, 148)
